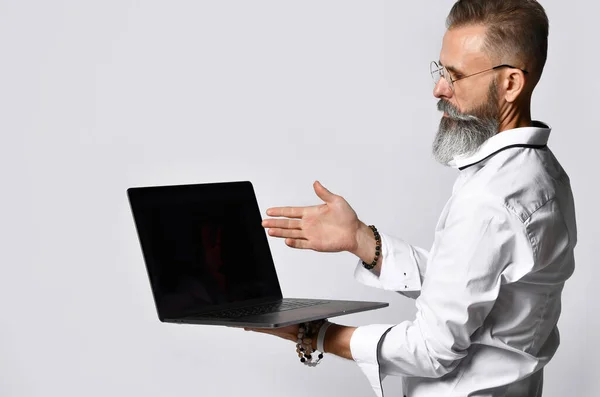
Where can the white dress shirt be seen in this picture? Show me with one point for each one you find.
(488, 292)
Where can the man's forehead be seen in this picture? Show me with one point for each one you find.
(463, 48)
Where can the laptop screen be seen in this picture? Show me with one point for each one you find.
(204, 246)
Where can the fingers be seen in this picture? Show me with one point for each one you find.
(297, 243)
(264, 331)
(293, 212)
(286, 233)
(282, 223)
(288, 212)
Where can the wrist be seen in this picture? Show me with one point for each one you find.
(362, 239)
(366, 244)
(337, 340)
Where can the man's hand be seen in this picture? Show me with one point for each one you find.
(288, 333)
(329, 227)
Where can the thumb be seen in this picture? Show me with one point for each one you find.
(323, 193)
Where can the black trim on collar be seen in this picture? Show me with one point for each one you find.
(504, 148)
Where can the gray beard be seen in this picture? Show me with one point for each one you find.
(461, 134)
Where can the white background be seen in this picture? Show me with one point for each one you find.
(98, 96)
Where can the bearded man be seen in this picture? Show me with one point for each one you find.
(488, 292)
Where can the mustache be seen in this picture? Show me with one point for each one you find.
(453, 112)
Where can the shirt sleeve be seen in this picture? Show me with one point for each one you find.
(464, 273)
(402, 268)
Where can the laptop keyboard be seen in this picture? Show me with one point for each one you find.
(287, 304)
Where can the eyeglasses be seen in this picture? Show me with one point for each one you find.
(437, 72)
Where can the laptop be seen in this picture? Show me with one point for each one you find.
(209, 262)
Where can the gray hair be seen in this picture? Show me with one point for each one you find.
(516, 30)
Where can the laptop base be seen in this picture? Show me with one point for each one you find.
(332, 308)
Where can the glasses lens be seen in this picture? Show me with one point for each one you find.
(448, 78)
(436, 72)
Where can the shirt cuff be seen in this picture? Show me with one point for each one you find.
(399, 269)
(364, 347)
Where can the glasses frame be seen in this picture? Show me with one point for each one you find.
(446, 74)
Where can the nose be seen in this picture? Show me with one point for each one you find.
(442, 89)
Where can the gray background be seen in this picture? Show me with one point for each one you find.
(98, 96)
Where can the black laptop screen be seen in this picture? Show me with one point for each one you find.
(204, 246)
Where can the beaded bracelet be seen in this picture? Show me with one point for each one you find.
(371, 265)
(306, 333)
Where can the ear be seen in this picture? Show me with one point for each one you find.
(513, 84)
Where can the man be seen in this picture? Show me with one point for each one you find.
(488, 292)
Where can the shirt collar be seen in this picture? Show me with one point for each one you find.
(535, 136)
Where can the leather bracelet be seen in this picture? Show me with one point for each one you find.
(321, 336)
(371, 265)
